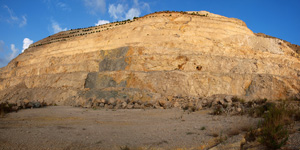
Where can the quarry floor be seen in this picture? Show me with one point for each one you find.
(63, 127)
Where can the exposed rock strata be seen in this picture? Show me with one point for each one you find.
(153, 57)
(294, 47)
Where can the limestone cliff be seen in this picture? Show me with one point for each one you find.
(159, 55)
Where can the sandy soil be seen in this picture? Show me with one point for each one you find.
(61, 127)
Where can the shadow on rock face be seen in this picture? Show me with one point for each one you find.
(114, 60)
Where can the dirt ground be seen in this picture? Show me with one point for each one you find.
(63, 127)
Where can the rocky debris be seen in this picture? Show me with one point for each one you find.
(124, 105)
(112, 101)
(101, 105)
(6, 107)
(218, 104)
(129, 106)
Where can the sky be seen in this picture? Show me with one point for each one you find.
(23, 22)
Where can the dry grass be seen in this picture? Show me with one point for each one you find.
(237, 131)
(246, 128)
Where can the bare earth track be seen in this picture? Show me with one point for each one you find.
(63, 127)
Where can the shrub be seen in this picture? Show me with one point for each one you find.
(274, 128)
(2, 111)
(6, 108)
(260, 110)
(297, 115)
(236, 99)
(218, 110)
(251, 135)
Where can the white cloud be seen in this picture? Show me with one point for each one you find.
(120, 11)
(95, 6)
(14, 52)
(23, 22)
(47, 1)
(63, 6)
(136, 2)
(54, 4)
(116, 12)
(146, 7)
(11, 13)
(13, 19)
(133, 12)
(101, 22)
(7, 55)
(56, 28)
(26, 43)
(141, 5)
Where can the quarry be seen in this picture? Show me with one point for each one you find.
(167, 80)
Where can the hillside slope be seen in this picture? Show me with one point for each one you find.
(163, 54)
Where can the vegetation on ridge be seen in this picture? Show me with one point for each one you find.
(63, 36)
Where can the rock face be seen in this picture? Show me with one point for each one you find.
(150, 58)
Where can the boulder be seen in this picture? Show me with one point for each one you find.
(112, 101)
(124, 104)
(129, 106)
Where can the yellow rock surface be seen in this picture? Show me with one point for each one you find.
(155, 56)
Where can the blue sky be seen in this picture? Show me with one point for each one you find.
(25, 21)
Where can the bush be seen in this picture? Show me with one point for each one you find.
(6, 108)
(260, 110)
(236, 99)
(2, 111)
(218, 110)
(297, 115)
(274, 128)
(251, 135)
